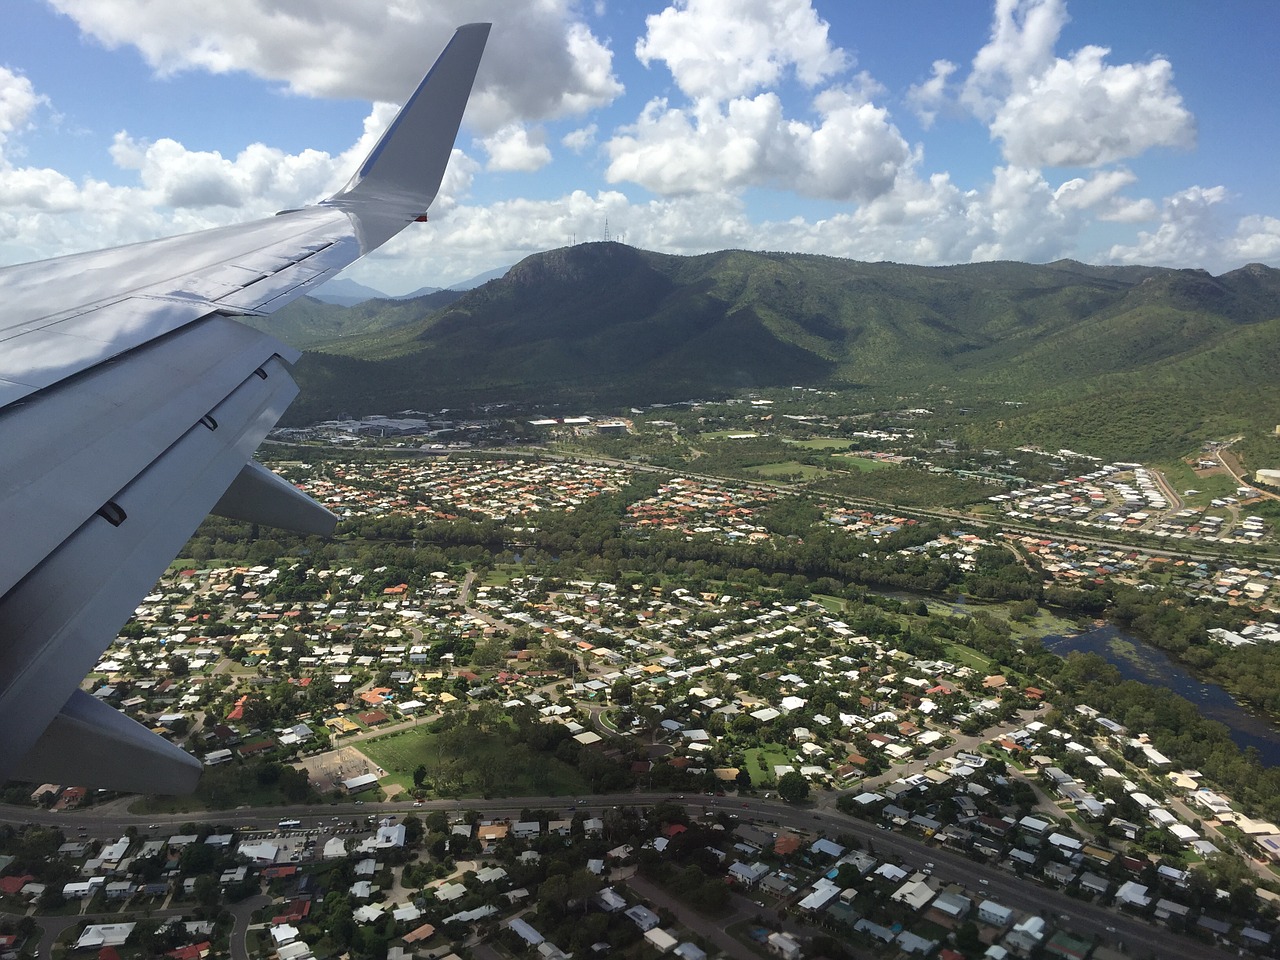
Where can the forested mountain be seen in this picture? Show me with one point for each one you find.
(603, 323)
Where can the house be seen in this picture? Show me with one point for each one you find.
(883, 934)
(1132, 894)
(915, 893)
(1169, 910)
(99, 935)
(610, 901)
(1034, 825)
(783, 945)
(1059, 873)
(912, 944)
(1092, 883)
(1027, 935)
(824, 892)
(642, 917)
(994, 914)
(826, 848)
(525, 932)
(952, 906)
(748, 876)
(660, 940)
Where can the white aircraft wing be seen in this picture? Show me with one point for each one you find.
(131, 402)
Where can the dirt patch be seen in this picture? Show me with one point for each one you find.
(326, 771)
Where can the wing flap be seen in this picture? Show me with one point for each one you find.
(259, 496)
(67, 450)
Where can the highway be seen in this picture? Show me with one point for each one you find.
(980, 880)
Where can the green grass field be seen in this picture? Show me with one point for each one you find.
(861, 463)
(1182, 478)
(786, 469)
(761, 760)
(475, 765)
(968, 657)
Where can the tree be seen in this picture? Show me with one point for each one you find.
(622, 691)
(792, 787)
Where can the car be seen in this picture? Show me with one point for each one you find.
(985, 883)
(1111, 929)
(417, 803)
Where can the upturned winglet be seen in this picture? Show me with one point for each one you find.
(399, 179)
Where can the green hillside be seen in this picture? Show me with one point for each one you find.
(1085, 349)
(308, 323)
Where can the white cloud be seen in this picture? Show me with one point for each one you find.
(1083, 113)
(930, 98)
(854, 153)
(1190, 233)
(258, 175)
(1078, 111)
(1257, 239)
(728, 48)
(18, 101)
(1081, 194)
(515, 148)
(580, 139)
(542, 61)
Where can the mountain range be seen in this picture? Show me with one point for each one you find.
(346, 292)
(1176, 351)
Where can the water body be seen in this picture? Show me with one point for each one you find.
(1137, 660)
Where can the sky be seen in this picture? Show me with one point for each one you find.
(915, 131)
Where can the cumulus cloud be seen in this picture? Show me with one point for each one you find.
(542, 60)
(178, 177)
(1257, 239)
(930, 98)
(1076, 111)
(1190, 234)
(854, 153)
(728, 48)
(1081, 193)
(515, 148)
(18, 101)
(1083, 113)
(580, 139)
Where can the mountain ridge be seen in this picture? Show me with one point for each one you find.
(610, 324)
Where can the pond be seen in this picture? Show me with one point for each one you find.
(1138, 660)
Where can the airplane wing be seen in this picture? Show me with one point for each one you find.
(131, 402)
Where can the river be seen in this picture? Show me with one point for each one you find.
(1138, 660)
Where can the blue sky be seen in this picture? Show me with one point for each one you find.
(917, 131)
